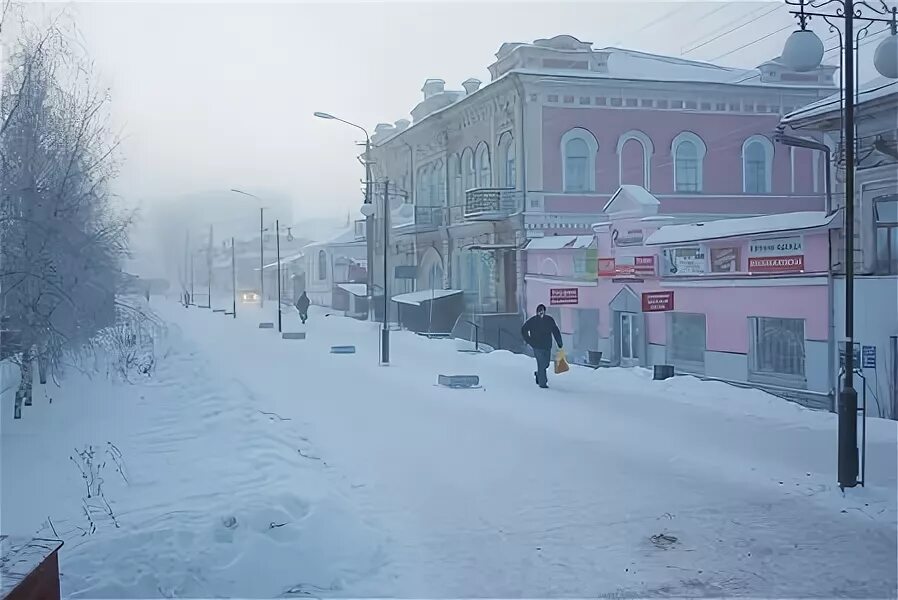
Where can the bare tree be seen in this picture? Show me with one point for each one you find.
(61, 238)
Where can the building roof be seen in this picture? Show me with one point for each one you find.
(561, 242)
(636, 194)
(356, 289)
(416, 298)
(871, 91)
(751, 226)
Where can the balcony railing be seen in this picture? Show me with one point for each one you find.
(430, 217)
(492, 203)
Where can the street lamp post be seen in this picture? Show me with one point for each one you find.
(277, 229)
(369, 219)
(804, 52)
(261, 246)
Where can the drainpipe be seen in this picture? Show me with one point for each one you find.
(520, 255)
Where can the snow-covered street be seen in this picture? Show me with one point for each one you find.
(260, 467)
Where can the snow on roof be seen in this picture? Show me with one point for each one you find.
(728, 228)
(284, 260)
(633, 64)
(356, 289)
(416, 298)
(636, 193)
(559, 242)
(875, 89)
(343, 237)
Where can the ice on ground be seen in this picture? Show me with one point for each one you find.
(389, 485)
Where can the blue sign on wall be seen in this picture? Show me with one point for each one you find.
(868, 354)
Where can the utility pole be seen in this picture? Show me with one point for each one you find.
(385, 332)
(277, 229)
(261, 256)
(209, 266)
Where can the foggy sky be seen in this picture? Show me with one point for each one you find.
(220, 95)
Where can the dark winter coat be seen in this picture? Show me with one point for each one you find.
(302, 304)
(539, 331)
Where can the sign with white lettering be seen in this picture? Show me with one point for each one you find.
(559, 296)
(779, 255)
(685, 261)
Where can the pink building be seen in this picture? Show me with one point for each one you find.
(541, 148)
(744, 299)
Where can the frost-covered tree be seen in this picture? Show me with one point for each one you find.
(61, 238)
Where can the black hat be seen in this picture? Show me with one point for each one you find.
(541, 308)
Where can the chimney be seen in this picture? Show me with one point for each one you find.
(432, 87)
(383, 128)
(471, 85)
(402, 124)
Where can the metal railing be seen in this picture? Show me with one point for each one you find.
(498, 201)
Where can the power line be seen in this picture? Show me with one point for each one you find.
(647, 26)
(753, 16)
(760, 39)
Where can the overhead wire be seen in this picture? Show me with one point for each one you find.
(753, 16)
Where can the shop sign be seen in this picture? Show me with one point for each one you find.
(559, 296)
(685, 261)
(778, 255)
(606, 267)
(868, 357)
(776, 264)
(644, 265)
(724, 260)
(630, 237)
(657, 301)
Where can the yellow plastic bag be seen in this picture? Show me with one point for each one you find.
(561, 365)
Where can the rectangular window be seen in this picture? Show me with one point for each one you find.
(646, 103)
(662, 104)
(601, 101)
(631, 102)
(706, 106)
(777, 351)
(676, 104)
(885, 213)
(585, 99)
(687, 175)
(686, 341)
(553, 98)
(616, 102)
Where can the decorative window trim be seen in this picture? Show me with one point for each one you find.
(480, 152)
(648, 149)
(701, 149)
(592, 145)
(768, 162)
(467, 166)
(506, 142)
(545, 263)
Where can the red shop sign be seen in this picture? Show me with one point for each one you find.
(644, 264)
(657, 301)
(564, 296)
(776, 264)
(606, 267)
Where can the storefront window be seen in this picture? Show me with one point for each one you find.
(686, 341)
(777, 351)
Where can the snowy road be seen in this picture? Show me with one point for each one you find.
(514, 491)
(407, 489)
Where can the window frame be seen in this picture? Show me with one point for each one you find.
(322, 265)
(592, 148)
(507, 157)
(889, 266)
(685, 365)
(758, 374)
(768, 150)
(648, 150)
(700, 152)
(483, 168)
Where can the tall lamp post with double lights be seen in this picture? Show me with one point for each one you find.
(804, 52)
(369, 220)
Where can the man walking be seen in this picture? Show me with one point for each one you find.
(538, 332)
(302, 306)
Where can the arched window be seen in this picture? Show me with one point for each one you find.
(484, 174)
(628, 170)
(757, 165)
(467, 165)
(578, 149)
(454, 180)
(421, 189)
(688, 151)
(322, 265)
(507, 173)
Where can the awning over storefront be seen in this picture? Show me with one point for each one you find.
(751, 226)
(416, 298)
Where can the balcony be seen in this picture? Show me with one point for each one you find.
(429, 218)
(492, 204)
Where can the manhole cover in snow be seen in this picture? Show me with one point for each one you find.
(662, 540)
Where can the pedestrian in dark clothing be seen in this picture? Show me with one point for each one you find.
(538, 332)
(302, 305)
